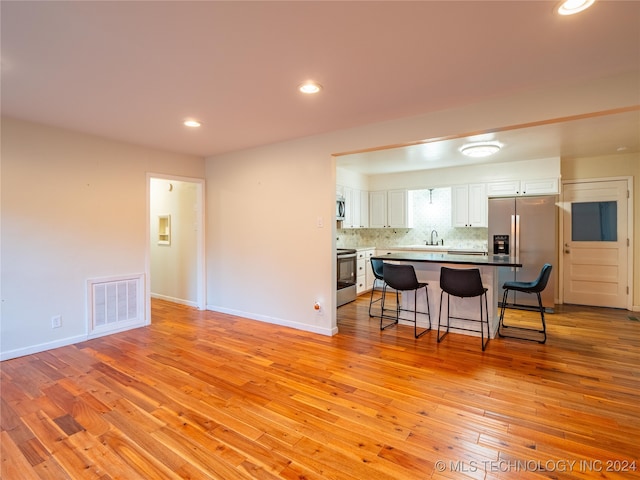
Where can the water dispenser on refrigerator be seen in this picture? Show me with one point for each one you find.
(501, 244)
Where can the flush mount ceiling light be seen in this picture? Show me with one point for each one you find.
(191, 123)
(310, 87)
(481, 149)
(569, 7)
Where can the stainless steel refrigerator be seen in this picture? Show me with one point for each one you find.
(524, 228)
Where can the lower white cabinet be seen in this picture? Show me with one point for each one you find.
(364, 279)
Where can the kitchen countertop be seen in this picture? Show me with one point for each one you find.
(435, 248)
(487, 260)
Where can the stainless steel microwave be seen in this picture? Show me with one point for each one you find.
(340, 208)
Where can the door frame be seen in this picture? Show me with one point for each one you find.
(201, 287)
(630, 231)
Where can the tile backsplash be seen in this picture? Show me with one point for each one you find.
(431, 211)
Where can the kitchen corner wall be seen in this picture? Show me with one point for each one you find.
(430, 212)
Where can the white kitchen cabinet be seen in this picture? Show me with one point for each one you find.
(541, 186)
(361, 276)
(512, 188)
(469, 205)
(356, 203)
(507, 188)
(370, 277)
(389, 209)
(364, 279)
(364, 209)
(377, 209)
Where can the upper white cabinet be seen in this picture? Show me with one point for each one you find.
(389, 209)
(398, 209)
(356, 204)
(378, 209)
(510, 188)
(469, 205)
(364, 209)
(543, 186)
(349, 212)
(507, 188)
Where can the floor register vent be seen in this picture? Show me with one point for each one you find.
(115, 304)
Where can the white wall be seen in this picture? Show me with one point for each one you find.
(349, 178)
(74, 207)
(267, 256)
(268, 260)
(174, 265)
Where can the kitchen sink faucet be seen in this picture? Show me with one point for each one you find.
(436, 241)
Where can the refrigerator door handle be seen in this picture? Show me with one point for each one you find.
(513, 235)
(517, 235)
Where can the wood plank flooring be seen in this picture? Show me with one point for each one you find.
(206, 395)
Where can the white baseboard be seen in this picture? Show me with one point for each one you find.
(181, 301)
(21, 352)
(275, 321)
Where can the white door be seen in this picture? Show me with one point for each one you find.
(595, 243)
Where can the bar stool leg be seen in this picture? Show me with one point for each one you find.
(486, 315)
(384, 295)
(440, 316)
(415, 313)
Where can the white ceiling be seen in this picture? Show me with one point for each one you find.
(585, 137)
(133, 71)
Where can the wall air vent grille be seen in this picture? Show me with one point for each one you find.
(115, 304)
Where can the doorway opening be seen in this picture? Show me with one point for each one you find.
(175, 240)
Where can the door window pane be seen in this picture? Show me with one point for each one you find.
(594, 222)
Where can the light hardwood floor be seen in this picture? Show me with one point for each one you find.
(207, 395)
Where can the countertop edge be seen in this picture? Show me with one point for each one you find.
(487, 260)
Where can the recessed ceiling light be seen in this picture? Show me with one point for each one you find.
(192, 123)
(481, 149)
(310, 87)
(569, 7)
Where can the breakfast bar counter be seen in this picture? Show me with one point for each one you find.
(490, 260)
(427, 267)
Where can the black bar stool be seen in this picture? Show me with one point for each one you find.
(537, 286)
(376, 267)
(403, 278)
(463, 283)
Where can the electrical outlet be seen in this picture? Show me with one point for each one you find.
(56, 321)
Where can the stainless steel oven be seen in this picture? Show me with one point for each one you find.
(346, 272)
